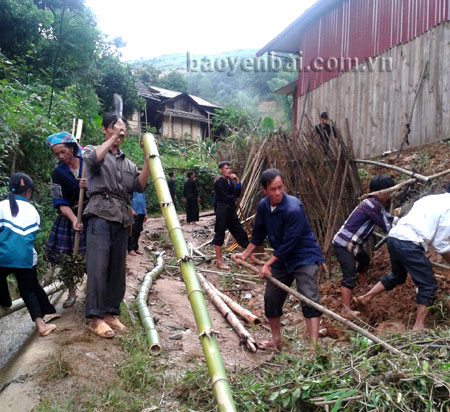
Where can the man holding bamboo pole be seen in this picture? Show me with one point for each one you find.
(296, 254)
(111, 179)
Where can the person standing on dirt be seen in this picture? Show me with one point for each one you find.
(427, 223)
(296, 254)
(65, 187)
(191, 198)
(19, 224)
(172, 187)
(227, 188)
(350, 241)
(111, 179)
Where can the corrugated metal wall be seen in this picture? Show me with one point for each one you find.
(364, 28)
(377, 104)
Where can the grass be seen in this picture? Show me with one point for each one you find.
(359, 377)
(353, 377)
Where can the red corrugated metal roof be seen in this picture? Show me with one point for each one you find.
(354, 29)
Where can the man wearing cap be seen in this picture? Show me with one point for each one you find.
(324, 131)
(111, 180)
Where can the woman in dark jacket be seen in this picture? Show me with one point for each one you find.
(65, 191)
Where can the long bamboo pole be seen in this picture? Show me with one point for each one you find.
(324, 310)
(144, 313)
(417, 176)
(216, 368)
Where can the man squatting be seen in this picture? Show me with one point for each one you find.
(296, 254)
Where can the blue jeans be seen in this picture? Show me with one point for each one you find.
(408, 257)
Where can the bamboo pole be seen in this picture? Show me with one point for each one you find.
(217, 373)
(19, 303)
(228, 314)
(417, 176)
(236, 308)
(144, 313)
(324, 310)
(389, 189)
(76, 242)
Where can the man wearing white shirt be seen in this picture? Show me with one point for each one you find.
(427, 223)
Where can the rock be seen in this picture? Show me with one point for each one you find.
(176, 336)
(173, 325)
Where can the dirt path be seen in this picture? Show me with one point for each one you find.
(89, 358)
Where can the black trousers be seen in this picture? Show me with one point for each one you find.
(106, 250)
(30, 291)
(226, 218)
(138, 225)
(408, 257)
(192, 212)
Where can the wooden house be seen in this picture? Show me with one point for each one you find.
(380, 68)
(174, 114)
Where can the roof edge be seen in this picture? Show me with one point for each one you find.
(305, 18)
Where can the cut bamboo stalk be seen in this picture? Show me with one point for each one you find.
(236, 308)
(389, 189)
(20, 304)
(440, 265)
(147, 322)
(417, 176)
(221, 386)
(324, 310)
(228, 314)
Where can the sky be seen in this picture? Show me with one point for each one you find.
(153, 28)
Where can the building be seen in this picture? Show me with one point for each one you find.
(380, 66)
(174, 114)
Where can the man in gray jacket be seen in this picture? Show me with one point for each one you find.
(111, 180)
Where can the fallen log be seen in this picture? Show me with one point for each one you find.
(324, 310)
(236, 308)
(228, 314)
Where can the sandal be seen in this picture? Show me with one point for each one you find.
(69, 302)
(269, 345)
(49, 330)
(103, 330)
(116, 324)
(50, 316)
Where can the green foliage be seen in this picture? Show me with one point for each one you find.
(248, 91)
(179, 156)
(378, 380)
(151, 76)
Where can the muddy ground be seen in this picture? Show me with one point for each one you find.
(92, 360)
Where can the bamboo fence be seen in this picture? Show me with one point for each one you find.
(323, 177)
